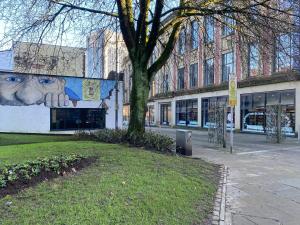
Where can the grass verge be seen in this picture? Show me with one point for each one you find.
(124, 186)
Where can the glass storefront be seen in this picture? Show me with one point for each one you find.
(187, 112)
(208, 104)
(72, 119)
(253, 108)
(165, 114)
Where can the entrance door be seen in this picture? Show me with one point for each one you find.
(165, 114)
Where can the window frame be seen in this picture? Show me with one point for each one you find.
(226, 64)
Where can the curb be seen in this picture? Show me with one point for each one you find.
(219, 211)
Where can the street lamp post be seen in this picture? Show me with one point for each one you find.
(117, 81)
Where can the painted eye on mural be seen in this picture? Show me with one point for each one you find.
(14, 79)
(46, 81)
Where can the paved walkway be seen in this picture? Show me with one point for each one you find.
(264, 179)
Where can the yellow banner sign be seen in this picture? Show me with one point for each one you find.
(233, 91)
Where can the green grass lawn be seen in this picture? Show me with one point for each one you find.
(125, 186)
(13, 139)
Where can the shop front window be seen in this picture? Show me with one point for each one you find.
(165, 114)
(72, 119)
(187, 112)
(253, 108)
(209, 105)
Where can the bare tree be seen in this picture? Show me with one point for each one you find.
(145, 25)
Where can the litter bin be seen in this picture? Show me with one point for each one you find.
(184, 142)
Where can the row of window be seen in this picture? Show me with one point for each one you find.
(209, 32)
(283, 61)
(227, 69)
(252, 111)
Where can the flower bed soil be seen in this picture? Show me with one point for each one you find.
(20, 184)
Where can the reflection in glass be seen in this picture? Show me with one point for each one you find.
(253, 107)
(187, 112)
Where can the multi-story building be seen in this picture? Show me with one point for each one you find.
(106, 51)
(196, 76)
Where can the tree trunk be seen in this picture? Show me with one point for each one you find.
(138, 99)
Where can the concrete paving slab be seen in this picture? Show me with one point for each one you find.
(263, 183)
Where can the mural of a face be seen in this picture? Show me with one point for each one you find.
(19, 90)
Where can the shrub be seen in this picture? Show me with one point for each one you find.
(149, 140)
(25, 171)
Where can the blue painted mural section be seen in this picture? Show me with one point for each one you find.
(73, 88)
(105, 87)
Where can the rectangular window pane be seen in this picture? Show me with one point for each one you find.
(253, 59)
(165, 83)
(227, 65)
(180, 84)
(283, 52)
(209, 72)
(187, 112)
(195, 35)
(209, 29)
(194, 75)
(288, 97)
(228, 21)
(181, 42)
(273, 98)
(192, 112)
(181, 113)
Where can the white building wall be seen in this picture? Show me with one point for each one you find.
(25, 119)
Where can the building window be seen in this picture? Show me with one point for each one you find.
(180, 78)
(228, 26)
(208, 106)
(284, 52)
(227, 65)
(209, 72)
(253, 57)
(181, 42)
(194, 75)
(209, 29)
(228, 21)
(153, 89)
(165, 114)
(187, 112)
(253, 108)
(194, 35)
(72, 119)
(165, 83)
